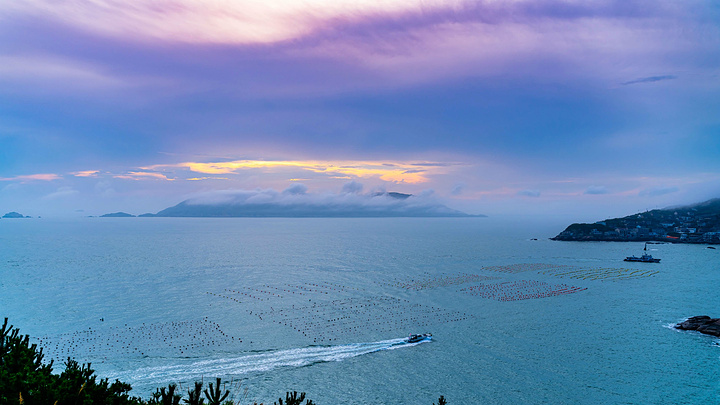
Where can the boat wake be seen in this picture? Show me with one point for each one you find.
(192, 369)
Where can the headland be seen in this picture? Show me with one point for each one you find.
(698, 223)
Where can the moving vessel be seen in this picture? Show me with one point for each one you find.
(418, 338)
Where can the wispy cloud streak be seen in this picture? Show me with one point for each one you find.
(650, 79)
(33, 177)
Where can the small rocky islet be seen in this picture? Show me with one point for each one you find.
(14, 215)
(702, 324)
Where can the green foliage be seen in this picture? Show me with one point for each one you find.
(294, 399)
(24, 379)
(194, 395)
(160, 397)
(78, 385)
(22, 373)
(215, 395)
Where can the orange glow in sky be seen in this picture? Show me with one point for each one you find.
(396, 172)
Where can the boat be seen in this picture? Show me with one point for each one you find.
(418, 338)
(645, 258)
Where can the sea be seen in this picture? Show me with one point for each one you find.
(323, 306)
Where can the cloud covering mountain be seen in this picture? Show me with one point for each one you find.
(295, 201)
(500, 106)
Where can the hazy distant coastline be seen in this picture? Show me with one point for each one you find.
(298, 204)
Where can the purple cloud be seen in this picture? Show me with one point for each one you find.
(458, 189)
(296, 189)
(530, 84)
(352, 187)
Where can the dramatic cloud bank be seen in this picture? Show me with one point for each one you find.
(296, 202)
(499, 106)
(214, 21)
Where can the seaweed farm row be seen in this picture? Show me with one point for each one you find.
(267, 292)
(327, 312)
(602, 274)
(179, 338)
(350, 318)
(520, 290)
(523, 267)
(430, 281)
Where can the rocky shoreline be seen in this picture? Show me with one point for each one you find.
(698, 224)
(702, 324)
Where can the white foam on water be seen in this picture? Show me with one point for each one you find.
(185, 370)
(716, 341)
(672, 326)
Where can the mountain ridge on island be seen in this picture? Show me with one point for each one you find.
(272, 204)
(117, 215)
(14, 215)
(696, 223)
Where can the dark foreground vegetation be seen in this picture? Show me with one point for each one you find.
(26, 380)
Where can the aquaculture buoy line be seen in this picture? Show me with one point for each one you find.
(523, 267)
(179, 338)
(344, 318)
(429, 281)
(266, 292)
(520, 290)
(323, 311)
(326, 284)
(602, 274)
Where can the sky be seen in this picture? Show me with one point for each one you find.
(582, 110)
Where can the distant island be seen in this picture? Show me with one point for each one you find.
(13, 215)
(117, 215)
(698, 223)
(272, 204)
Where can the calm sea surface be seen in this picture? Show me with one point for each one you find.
(322, 306)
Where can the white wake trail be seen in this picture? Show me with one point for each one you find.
(253, 363)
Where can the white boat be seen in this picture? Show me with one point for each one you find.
(418, 338)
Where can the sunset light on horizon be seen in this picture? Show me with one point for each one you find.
(343, 202)
(581, 109)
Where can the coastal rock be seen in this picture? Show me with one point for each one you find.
(702, 324)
